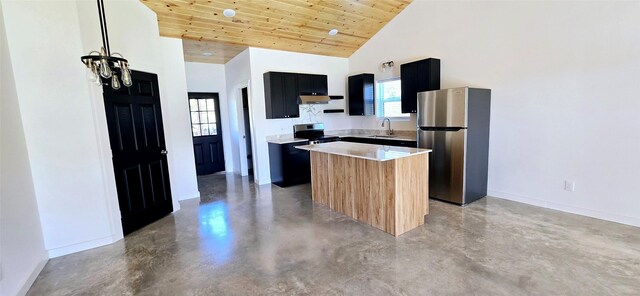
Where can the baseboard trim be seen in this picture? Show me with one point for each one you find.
(633, 221)
(74, 248)
(34, 274)
(189, 196)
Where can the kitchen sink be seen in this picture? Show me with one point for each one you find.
(383, 136)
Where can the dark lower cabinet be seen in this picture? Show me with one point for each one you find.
(415, 77)
(289, 165)
(379, 141)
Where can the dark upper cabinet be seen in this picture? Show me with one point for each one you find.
(361, 94)
(281, 91)
(312, 84)
(415, 77)
(290, 85)
(281, 95)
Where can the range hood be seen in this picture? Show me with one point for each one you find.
(313, 99)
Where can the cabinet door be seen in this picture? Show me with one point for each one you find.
(320, 85)
(305, 84)
(428, 77)
(274, 95)
(408, 87)
(290, 96)
(368, 91)
(356, 103)
(296, 165)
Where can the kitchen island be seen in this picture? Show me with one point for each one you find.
(386, 187)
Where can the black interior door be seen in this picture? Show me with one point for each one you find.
(139, 152)
(207, 132)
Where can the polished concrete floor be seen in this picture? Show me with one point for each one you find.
(243, 239)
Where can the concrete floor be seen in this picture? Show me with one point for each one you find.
(243, 239)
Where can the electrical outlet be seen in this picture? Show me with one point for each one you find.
(569, 185)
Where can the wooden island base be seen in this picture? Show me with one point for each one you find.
(390, 195)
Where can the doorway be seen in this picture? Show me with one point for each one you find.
(139, 155)
(206, 131)
(247, 131)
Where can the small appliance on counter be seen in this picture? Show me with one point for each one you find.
(454, 123)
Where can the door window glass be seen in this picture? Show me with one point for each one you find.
(203, 117)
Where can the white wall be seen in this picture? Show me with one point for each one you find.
(210, 78)
(63, 113)
(182, 166)
(133, 32)
(56, 112)
(565, 92)
(265, 60)
(237, 75)
(22, 252)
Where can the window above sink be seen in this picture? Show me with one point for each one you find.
(388, 100)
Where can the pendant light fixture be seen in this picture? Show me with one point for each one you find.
(103, 63)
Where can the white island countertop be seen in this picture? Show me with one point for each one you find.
(364, 151)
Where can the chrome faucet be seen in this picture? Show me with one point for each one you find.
(389, 130)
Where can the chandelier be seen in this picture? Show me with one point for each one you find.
(103, 63)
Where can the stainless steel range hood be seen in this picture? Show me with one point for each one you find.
(313, 99)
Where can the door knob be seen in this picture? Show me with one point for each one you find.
(164, 152)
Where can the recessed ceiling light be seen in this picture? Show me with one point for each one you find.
(229, 12)
(207, 54)
(333, 32)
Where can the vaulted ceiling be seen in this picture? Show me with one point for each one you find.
(292, 25)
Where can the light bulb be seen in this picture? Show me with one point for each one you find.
(93, 73)
(105, 70)
(98, 79)
(115, 83)
(126, 75)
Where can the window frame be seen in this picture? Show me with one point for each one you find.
(207, 110)
(380, 101)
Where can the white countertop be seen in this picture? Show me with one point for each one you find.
(365, 151)
(284, 139)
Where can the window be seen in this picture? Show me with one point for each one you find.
(389, 99)
(203, 117)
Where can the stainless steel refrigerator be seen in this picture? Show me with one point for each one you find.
(454, 123)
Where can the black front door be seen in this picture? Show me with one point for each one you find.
(139, 152)
(207, 132)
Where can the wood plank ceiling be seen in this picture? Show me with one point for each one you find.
(291, 25)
